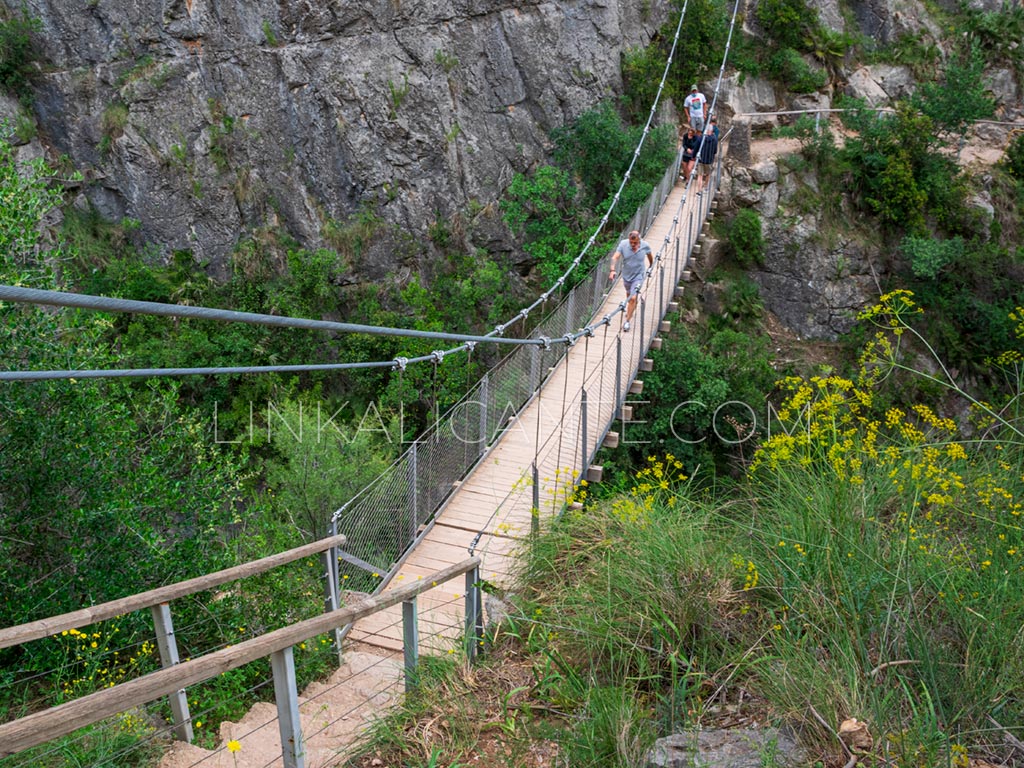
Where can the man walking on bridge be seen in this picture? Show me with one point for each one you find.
(636, 257)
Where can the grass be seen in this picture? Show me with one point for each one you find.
(869, 565)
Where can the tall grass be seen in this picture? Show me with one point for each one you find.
(870, 566)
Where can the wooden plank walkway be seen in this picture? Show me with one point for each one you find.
(495, 500)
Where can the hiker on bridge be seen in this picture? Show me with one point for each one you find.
(696, 106)
(636, 256)
(691, 141)
(706, 159)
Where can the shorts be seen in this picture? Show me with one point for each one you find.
(632, 286)
(705, 169)
(697, 121)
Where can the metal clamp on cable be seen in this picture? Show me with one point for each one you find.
(499, 329)
(401, 362)
(438, 355)
(569, 340)
(470, 346)
(524, 313)
(545, 342)
(588, 331)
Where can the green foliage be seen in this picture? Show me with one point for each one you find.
(398, 94)
(960, 98)
(27, 196)
(901, 175)
(543, 210)
(701, 43)
(787, 22)
(269, 35)
(928, 257)
(446, 61)
(690, 397)
(17, 51)
(787, 66)
(997, 33)
(746, 237)
(1014, 158)
(322, 455)
(911, 50)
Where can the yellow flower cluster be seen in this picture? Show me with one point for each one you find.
(91, 662)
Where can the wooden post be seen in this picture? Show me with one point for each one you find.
(411, 642)
(293, 751)
(168, 658)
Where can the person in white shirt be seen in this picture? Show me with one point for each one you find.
(696, 107)
(636, 257)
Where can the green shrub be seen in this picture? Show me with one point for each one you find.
(928, 257)
(17, 51)
(787, 66)
(746, 237)
(1014, 158)
(787, 22)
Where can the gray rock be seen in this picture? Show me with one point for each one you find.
(742, 97)
(887, 20)
(765, 173)
(205, 120)
(727, 748)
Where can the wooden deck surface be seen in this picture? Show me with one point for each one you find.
(495, 500)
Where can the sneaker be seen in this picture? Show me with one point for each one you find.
(700, 194)
(626, 326)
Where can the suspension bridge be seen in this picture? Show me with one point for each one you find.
(446, 519)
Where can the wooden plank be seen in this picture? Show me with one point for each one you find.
(54, 625)
(611, 440)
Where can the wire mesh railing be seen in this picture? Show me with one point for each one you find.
(385, 518)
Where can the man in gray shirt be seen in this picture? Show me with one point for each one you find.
(636, 256)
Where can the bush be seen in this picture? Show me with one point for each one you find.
(1014, 159)
(17, 52)
(746, 238)
(788, 22)
(790, 68)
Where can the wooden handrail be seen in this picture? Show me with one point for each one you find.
(40, 727)
(35, 630)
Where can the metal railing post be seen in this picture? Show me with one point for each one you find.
(485, 394)
(661, 291)
(585, 453)
(293, 751)
(474, 614)
(411, 642)
(643, 310)
(168, 658)
(535, 512)
(332, 590)
(618, 375)
(414, 488)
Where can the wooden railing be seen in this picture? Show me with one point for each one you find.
(41, 727)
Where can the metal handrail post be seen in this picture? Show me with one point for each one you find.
(535, 512)
(293, 750)
(584, 454)
(410, 642)
(165, 642)
(474, 614)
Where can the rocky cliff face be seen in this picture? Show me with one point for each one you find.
(206, 119)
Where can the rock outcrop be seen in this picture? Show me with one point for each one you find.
(205, 120)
